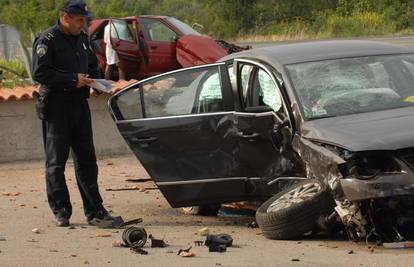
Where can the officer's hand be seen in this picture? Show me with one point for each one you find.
(83, 80)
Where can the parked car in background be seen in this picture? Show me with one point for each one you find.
(320, 132)
(150, 45)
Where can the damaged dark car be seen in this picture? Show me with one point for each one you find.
(321, 133)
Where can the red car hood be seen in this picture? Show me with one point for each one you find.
(195, 50)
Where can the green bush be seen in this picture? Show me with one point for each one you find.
(359, 24)
(14, 73)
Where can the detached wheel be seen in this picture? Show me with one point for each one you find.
(204, 210)
(293, 211)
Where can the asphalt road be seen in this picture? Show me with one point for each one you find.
(400, 40)
(23, 207)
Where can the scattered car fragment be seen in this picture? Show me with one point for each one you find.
(186, 253)
(218, 243)
(406, 244)
(320, 132)
(134, 237)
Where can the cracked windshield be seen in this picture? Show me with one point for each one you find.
(353, 85)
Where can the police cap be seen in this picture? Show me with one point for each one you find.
(77, 7)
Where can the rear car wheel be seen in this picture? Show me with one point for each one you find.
(293, 211)
(204, 210)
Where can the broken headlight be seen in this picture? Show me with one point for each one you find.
(369, 165)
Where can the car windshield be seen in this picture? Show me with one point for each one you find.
(337, 87)
(184, 28)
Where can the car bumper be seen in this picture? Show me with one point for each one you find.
(382, 186)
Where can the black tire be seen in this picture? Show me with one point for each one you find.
(204, 210)
(294, 219)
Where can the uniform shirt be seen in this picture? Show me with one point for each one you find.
(111, 56)
(58, 58)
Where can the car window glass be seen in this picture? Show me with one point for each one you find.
(211, 88)
(353, 85)
(244, 79)
(127, 105)
(121, 31)
(158, 31)
(410, 66)
(267, 90)
(181, 93)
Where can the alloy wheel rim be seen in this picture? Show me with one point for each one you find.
(296, 195)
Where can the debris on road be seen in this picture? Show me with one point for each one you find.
(157, 243)
(204, 231)
(117, 222)
(217, 248)
(116, 243)
(10, 194)
(406, 244)
(186, 253)
(252, 224)
(134, 236)
(123, 189)
(36, 230)
(218, 243)
(139, 250)
(139, 180)
(103, 235)
(220, 239)
(198, 243)
(2, 238)
(295, 259)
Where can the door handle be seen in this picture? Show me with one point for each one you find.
(154, 46)
(144, 140)
(250, 135)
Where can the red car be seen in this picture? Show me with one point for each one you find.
(150, 45)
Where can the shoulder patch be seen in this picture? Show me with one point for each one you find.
(41, 50)
(49, 36)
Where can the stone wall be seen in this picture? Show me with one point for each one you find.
(21, 135)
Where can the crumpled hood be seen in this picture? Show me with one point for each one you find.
(193, 50)
(381, 130)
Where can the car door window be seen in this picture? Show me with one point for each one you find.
(264, 91)
(158, 31)
(185, 92)
(128, 104)
(244, 79)
(211, 97)
(121, 31)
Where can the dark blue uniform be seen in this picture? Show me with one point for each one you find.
(57, 58)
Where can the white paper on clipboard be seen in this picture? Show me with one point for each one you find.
(102, 85)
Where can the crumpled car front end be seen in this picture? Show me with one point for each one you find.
(377, 199)
(373, 190)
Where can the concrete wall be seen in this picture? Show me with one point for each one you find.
(21, 132)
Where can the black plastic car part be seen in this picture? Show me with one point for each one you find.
(134, 237)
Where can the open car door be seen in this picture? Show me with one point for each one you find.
(183, 128)
(125, 42)
(159, 41)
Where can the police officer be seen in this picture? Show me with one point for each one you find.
(63, 65)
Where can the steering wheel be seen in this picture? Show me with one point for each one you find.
(351, 100)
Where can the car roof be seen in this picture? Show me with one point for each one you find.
(319, 50)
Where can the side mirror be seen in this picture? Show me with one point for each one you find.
(258, 109)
